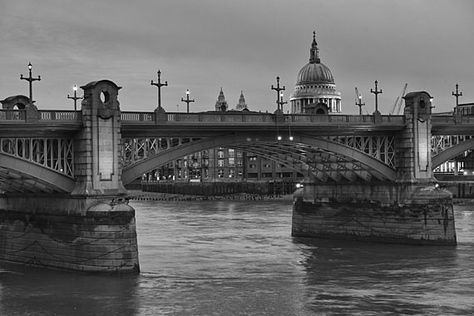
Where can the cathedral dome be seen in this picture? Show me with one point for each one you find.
(314, 73)
(315, 86)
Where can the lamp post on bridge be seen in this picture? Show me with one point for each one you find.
(281, 103)
(30, 79)
(159, 85)
(360, 104)
(376, 92)
(457, 94)
(75, 97)
(278, 89)
(187, 100)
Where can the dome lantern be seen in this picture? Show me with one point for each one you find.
(314, 51)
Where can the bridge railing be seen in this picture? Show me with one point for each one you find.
(52, 115)
(253, 118)
(43, 115)
(341, 118)
(452, 119)
(227, 117)
(12, 115)
(138, 116)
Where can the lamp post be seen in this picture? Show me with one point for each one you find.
(281, 103)
(187, 100)
(457, 94)
(376, 92)
(278, 89)
(75, 97)
(360, 104)
(30, 79)
(159, 85)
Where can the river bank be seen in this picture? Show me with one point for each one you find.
(156, 196)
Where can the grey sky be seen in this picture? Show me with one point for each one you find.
(237, 45)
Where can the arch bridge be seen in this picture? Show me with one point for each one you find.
(62, 173)
(37, 153)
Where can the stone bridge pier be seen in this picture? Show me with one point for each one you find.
(408, 209)
(91, 228)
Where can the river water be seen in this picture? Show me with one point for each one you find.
(238, 258)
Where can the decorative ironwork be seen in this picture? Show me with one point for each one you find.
(440, 143)
(379, 147)
(136, 149)
(53, 153)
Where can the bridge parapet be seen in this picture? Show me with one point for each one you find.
(255, 118)
(43, 115)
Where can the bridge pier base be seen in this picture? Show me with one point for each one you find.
(91, 234)
(392, 213)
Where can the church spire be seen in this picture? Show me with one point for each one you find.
(314, 51)
(221, 104)
(241, 105)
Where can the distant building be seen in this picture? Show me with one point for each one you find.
(241, 105)
(221, 103)
(315, 91)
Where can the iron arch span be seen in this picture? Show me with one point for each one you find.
(452, 152)
(136, 170)
(22, 174)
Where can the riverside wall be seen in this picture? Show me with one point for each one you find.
(220, 188)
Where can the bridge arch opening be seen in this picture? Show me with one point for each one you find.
(265, 144)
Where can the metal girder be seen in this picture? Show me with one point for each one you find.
(31, 177)
(318, 160)
(452, 152)
(136, 149)
(440, 143)
(379, 147)
(56, 154)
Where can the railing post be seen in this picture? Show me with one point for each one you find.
(31, 113)
(160, 115)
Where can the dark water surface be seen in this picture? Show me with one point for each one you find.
(238, 258)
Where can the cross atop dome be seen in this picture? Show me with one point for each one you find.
(314, 51)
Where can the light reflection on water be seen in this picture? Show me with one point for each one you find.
(238, 258)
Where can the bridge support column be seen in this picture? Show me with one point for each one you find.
(92, 228)
(411, 209)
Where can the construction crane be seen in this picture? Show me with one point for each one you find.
(358, 101)
(398, 102)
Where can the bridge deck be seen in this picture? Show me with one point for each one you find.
(16, 122)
